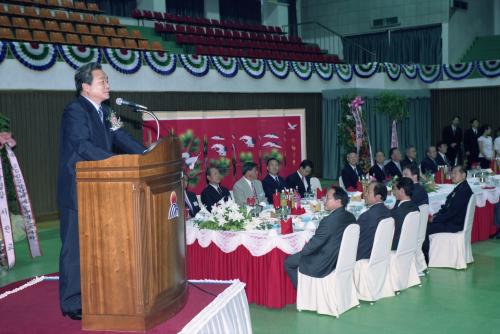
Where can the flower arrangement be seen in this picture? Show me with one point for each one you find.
(347, 132)
(428, 183)
(114, 121)
(225, 216)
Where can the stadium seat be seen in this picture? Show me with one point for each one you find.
(88, 40)
(30, 11)
(67, 4)
(82, 29)
(114, 21)
(143, 44)
(101, 19)
(109, 31)
(75, 17)
(14, 10)
(61, 15)
(122, 32)
(96, 30)
(155, 45)
(45, 13)
(103, 42)
(93, 6)
(135, 33)
(116, 43)
(67, 27)
(56, 37)
(131, 44)
(23, 35)
(40, 36)
(73, 39)
(79, 5)
(35, 24)
(53, 3)
(4, 21)
(19, 22)
(51, 25)
(6, 33)
(88, 18)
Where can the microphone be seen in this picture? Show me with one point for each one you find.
(119, 101)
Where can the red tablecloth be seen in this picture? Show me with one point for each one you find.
(267, 283)
(483, 226)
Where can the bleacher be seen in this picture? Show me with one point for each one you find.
(67, 22)
(230, 38)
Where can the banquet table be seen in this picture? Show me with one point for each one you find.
(256, 257)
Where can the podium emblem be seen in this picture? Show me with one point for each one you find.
(173, 212)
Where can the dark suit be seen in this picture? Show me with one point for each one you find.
(377, 173)
(399, 213)
(450, 137)
(407, 162)
(442, 161)
(419, 195)
(319, 256)
(194, 208)
(392, 169)
(83, 137)
(294, 181)
(210, 196)
(472, 146)
(351, 177)
(428, 166)
(451, 216)
(368, 223)
(271, 186)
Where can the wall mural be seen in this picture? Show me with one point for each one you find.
(228, 139)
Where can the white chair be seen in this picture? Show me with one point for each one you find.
(419, 257)
(403, 271)
(453, 250)
(341, 183)
(315, 184)
(371, 277)
(335, 293)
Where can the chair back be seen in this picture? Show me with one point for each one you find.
(382, 243)
(341, 183)
(469, 219)
(422, 228)
(407, 249)
(348, 249)
(315, 184)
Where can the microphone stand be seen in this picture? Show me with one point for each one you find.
(150, 113)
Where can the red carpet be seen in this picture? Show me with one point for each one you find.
(36, 310)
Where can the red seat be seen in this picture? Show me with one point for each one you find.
(180, 29)
(158, 16)
(147, 14)
(159, 27)
(191, 30)
(210, 31)
(200, 30)
(169, 28)
(137, 14)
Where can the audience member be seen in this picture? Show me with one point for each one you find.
(273, 182)
(368, 221)
(419, 195)
(190, 199)
(497, 143)
(404, 205)
(301, 180)
(429, 164)
(450, 218)
(319, 256)
(393, 167)
(471, 145)
(351, 173)
(441, 158)
(248, 186)
(411, 157)
(452, 136)
(377, 170)
(485, 147)
(213, 192)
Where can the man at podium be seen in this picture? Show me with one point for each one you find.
(89, 131)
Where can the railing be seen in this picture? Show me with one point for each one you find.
(327, 39)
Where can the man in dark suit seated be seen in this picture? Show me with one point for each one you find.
(368, 221)
(377, 170)
(319, 256)
(403, 206)
(351, 173)
(190, 199)
(451, 216)
(393, 167)
(301, 179)
(452, 136)
(213, 192)
(471, 146)
(419, 195)
(411, 157)
(273, 182)
(429, 164)
(441, 158)
(89, 131)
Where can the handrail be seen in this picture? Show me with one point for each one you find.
(331, 31)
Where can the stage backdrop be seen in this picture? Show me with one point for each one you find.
(228, 139)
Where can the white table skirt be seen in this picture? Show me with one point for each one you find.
(227, 313)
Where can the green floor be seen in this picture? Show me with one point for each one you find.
(448, 302)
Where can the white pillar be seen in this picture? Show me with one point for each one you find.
(152, 5)
(274, 13)
(212, 9)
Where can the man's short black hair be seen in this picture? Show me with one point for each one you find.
(439, 143)
(84, 75)
(429, 149)
(473, 120)
(306, 163)
(207, 172)
(380, 189)
(413, 170)
(248, 166)
(272, 159)
(340, 194)
(461, 169)
(406, 184)
(455, 117)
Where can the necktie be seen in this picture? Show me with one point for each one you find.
(101, 114)
(188, 202)
(219, 190)
(276, 180)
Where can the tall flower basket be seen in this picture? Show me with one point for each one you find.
(394, 106)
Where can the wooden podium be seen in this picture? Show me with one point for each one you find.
(132, 239)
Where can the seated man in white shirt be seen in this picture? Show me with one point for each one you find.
(248, 186)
